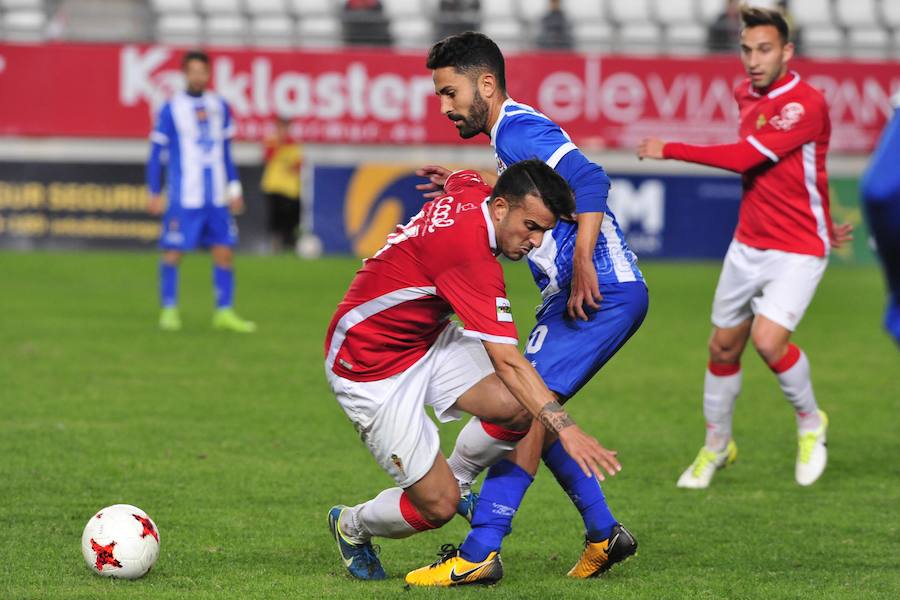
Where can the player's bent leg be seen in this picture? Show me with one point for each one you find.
(395, 513)
(552, 346)
(791, 367)
(721, 387)
(500, 423)
(225, 318)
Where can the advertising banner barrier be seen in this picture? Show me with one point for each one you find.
(666, 217)
(93, 205)
(385, 97)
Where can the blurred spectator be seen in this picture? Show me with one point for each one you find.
(457, 16)
(281, 186)
(556, 31)
(724, 33)
(365, 24)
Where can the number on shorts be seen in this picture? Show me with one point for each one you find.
(536, 340)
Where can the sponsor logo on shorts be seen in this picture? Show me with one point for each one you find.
(504, 312)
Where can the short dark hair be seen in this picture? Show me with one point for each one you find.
(752, 16)
(194, 55)
(471, 53)
(533, 177)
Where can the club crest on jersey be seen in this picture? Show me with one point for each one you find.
(791, 113)
(760, 121)
(504, 312)
(398, 463)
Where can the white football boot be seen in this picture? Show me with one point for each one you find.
(700, 473)
(812, 454)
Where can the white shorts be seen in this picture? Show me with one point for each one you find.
(389, 414)
(777, 285)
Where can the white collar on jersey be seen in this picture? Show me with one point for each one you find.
(496, 126)
(492, 234)
(781, 89)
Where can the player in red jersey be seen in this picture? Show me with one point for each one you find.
(780, 248)
(391, 350)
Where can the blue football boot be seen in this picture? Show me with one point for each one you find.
(360, 559)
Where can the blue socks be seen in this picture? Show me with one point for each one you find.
(223, 281)
(584, 491)
(502, 492)
(168, 285)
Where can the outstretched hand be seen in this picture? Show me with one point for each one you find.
(588, 453)
(437, 177)
(650, 148)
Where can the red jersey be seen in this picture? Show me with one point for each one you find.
(785, 134)
(442, 262)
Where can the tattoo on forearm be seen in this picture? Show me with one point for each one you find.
(554, 418)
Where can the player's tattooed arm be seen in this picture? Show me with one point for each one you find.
(554, 418)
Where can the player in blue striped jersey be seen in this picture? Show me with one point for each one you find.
(193, 136)
(594, 300)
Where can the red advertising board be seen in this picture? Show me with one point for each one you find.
(372, 96)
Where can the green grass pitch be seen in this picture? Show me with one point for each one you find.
(237, 449)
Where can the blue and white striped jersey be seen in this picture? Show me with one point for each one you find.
(196, 131)
(522, 132)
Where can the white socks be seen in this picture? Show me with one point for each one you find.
(793, 375)
(479, 445)
(720, 391)
(381, 516)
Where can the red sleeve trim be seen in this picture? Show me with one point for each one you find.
(739, 157)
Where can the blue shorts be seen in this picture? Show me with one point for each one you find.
(186, 229)
(568, 352)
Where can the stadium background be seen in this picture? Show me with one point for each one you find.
(79, 82)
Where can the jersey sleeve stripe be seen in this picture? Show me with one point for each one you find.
(486, 337)
(354, 317)
(559, 153)
(815, 198)
(762, 149)
(159, 137)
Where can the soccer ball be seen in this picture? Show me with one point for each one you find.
(309, 246)
(120, 541)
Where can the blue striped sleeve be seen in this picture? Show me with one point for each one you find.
(588, 181)
(526, 136)
(160, 137)
(229, 132)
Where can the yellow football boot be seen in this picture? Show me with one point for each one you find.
(599, 557)
(452, 569)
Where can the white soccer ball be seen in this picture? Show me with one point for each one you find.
(120, 541)
(309, 246)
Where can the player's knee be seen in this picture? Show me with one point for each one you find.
(723, 353)
(769, 349)
(440, 510)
